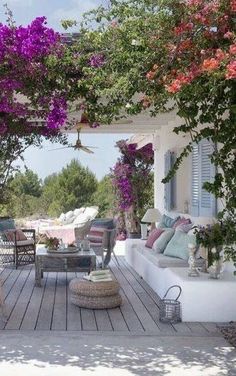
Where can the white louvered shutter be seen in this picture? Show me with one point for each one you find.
(207, 204)
(203, 203)
(195, 181)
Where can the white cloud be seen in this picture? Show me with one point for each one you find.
(75, 10)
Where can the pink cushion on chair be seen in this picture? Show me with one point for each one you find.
(153, 236)
(96, 234)
(181, 221)
(13, 235)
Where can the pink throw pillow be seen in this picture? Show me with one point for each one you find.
(181, 221)
(153, 236)
(10, 234)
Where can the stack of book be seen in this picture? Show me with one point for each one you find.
(99, 276)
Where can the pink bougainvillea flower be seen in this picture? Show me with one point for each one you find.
(183, 27)
(233, 5)
(209, 65)
(150, 75)
(220, 55)
(194, 2)
(228, 35)
(232, 49)
(146, 103)
(174, 87)
(231, 70)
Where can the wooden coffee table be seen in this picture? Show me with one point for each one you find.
(80, 261)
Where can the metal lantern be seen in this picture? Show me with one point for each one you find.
(170, 309)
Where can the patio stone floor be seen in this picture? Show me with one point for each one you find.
(49, 308)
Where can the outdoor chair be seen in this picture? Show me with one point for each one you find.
(105, 248)
(17, 247)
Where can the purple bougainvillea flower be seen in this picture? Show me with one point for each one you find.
(97, 61)
(94, 125)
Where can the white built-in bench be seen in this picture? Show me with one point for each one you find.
(202, 299)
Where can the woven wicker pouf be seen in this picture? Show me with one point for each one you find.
(99, 295)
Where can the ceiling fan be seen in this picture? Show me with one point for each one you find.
(78, 145)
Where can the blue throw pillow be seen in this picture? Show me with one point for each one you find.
(7, 224)
(167, 221)
(178, 245)
(161, 243)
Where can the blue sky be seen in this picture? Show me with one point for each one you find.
(41, 160)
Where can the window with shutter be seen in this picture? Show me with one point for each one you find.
(203, 203)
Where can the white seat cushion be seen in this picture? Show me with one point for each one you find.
(78, 211)
(81, 219)
(91, 211)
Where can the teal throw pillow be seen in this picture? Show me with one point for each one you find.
(160, 244)
(178, 245)
(3, 237)
(167, 221)
(7, 224)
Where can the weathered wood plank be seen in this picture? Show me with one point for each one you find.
(103, 320)
(73, 312)
(18, 312)
(197, 328)
(46, 309)
(211, 327)
(14, 291)
(59, 316)
(140, 309)
(130, 317)
(88, 319)
(149, 298)
(49, 307)
(5, 272)
(31, 314)
(117, 320)
(10, 281)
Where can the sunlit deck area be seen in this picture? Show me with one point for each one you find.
(49, 308)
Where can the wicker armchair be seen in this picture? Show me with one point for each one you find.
(18, 252)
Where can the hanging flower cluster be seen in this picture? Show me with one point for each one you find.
(29, 89)
(122, 176)
(194, 51)
(129, 173)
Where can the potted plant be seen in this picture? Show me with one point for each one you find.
(213, 238)
(52, 244)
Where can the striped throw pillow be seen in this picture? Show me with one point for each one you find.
(95, 234)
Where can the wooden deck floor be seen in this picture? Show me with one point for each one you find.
(48, 308)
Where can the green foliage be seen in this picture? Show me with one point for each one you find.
(23, 192)
(72, 188)
(104, 198)
(12, 148)
(26, 183)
